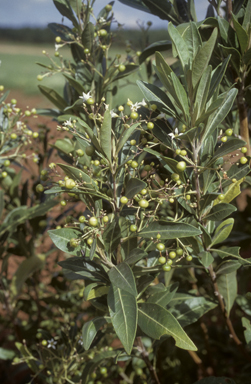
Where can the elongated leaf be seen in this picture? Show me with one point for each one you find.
(105, 135)
(121, 276)
(180, 46)
(1, 202)
(241, 34)
(220, 212)
(54, 97)
(202, 58)
(232, 191)
(217, 76)
(247, 333)
(202, 91)
(135, 255)
(87, 268)
(235, 59)
(155, 321)
(88, 36)
(123, 311)
(133, 187)
(112, 236)
(169, 230)
(226, 148)
(163, 45)
(163, 298)
(206, 258)
(192, 39)
(228, 266)
(65, 9)
(180, 94)
(222, 231)
(191, 309)
(61, 238)
(126, 135)
(90, 330)
(221, 113)
(227, 285)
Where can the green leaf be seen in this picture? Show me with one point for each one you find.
(90, 270)
(121, 276)
(135, 255)
(88, 36)
(217, 76)
(54, 97)
(180, 46)
(206, 258)
(111, 236)
(97, 291)
(247, 16)
(105, 135)
(226, 148)
(222, 231)
(232, 191)
(227, 285)
(65, 9)
(90, 330)
(155, 321)
(77, 85)
(202, 58)
(192, 39)
(247, 333)
(63, 145)
(235, 59)
(61, 238)
(163, 298)
(123, 311)
(1, 202)
(191, 309)
(169, 230)
(215, 380)
(220, 212)
(163, 45)
(25, 269)
(61, 30)
(202, 91)
(125, 136)
(180, 95)
(220, 114)
(95, 362)
(241, 34)
(78, 175)
(244, 303)
(228, 266)
(133, 187)
(6, 354)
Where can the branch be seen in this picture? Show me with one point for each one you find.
(145, 356)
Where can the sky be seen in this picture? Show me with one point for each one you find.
(38, 13)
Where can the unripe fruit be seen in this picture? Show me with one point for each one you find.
(143, 192)
(143, 203)
(178, 151)
(169, 262)
(162, 260)
(189, 258)
(158, 236)
(121, 68)
(89, 241)
(27, 113)
(69, 184)
(133, 142)
(181, 166)
(103, 370)
(134, 164)
(139, 371)
(179, 251)
(121, 108)
(63, 203)
(102, 32)
(6, 163)
(58, 39)
(13, 101)
(134, 115)
(244, 149)
(229, 132)
(39, 77)
(90, 101)
(105, 219)
(1, 88)
(175, 176)
(81, 219)
(154, 107)
(224, 139)
(13, 136)
(166, 268)
(4, 174)
(124, 200)
(234, 180)
(160, 247)
(86, 51)
(90, 150)
(172, 254)
(133, 228)
(44, 343)
(243, 160)
(183, 152)
(221, 196)
(150, 125)
(39, 188)
(35, 135)
(147, 168)
(79, 152)
(73, 243)
(93, 221)
(171, 200)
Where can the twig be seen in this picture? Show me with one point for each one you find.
(145, 356)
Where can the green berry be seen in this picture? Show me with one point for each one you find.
(243, 160)
(39, 77)
(90, 101)
(80, 152)
(44, 343)
(177, 151)
(166, 268)
(133, 142)
(181, 166)
(73, 243)
(147, 168)
(158, 236)
(171, 200)
(224, 139)
(134, 115)
(229, 132)
(121, 68)
(39, 188)
(89, 241)
(189, 258)
(69, 184)
(150, 125)
(179, 251)
(27, 113)
(134, 164)
(102, 32)
(35, 135)
(103, 370)
(63, 203)
(143, 192)
(13, 101)
(108, 7)
(175, 176)
(106, 219)
(160, 247)
(6, 163)
(143, 203)
(133, 228)
(13, 136)
(82, 219)
(244, 149)
(86, 51)
(93, 221)
(162, 260)
(89, 150)
(124, 200)
(58, 39)
(183, 152)
(4, 174)
(172, 254)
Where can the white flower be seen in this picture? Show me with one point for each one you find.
(68, 123)
(113, 114)
(106, 106)
(137, 105)
(57, 46)
(101, 20)
(175, 134)
(80, 341)
(19, 125)
(51, 344)
(85, 96)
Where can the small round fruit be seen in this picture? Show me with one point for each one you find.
(189, 258)
(134, 164)
(27, 113)
(39, 77)
(134, 115)
(139, 371)
(162, 260)
(86, 51)
(63, 203)
(166, 268)
(175, 176)
(133, 142)
(108, 7)
(181, 166)
(221, 196)
(171, 200)
(93, 221)
(179, 251)
(244, 149)
(90, 101)
(234, 180)
(143, 192)
(13, 101)
(178, 151)
(224, 139)
(124, 200)
(73, 243)
(4, 174)
(158, 236)
(172, 254)
(82, 219)
(103, 371)
(150, 125)
(229, 132)
(102, 32)
(89, 241)
(147, 168)
(70, 183)
(35, 135)
(188, 197)
(58, 39)
(106, 219)
(243, 160)
(39, 188)
(143, 203)
(133, 228)
(121, 68)
(183, 152)
(1, 88)
(96, 162)
(6, 163)
(160, 247)
(90, 150)
(80, 152)
(44, 343)
(13, 136)
(169, 262)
